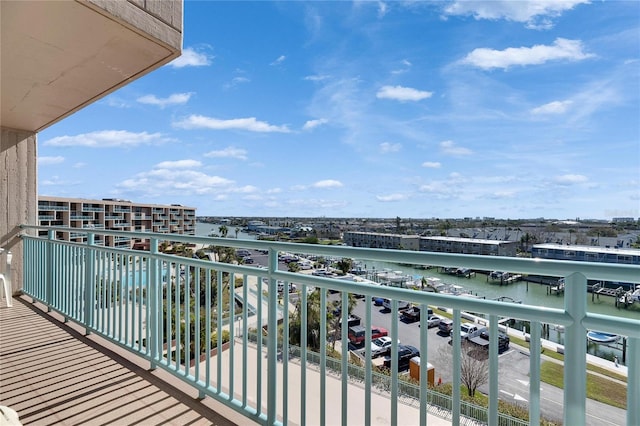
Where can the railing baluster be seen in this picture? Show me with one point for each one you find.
(424, 361)
(493, 370)
(323, 356)
(303, 356)
(153, 304)
(535, 348)
(575, 302)
(344, 367)
(394, 361)
(633, 384)
(368, 381)
(455, 383)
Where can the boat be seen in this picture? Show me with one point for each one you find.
(602, 337)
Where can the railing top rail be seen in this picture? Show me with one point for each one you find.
(559, 268)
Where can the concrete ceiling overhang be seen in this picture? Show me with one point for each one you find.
(59, 56)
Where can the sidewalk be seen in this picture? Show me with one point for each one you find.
(380, 404)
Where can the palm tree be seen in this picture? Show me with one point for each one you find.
(223, 231)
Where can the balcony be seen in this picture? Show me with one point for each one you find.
(145, 304)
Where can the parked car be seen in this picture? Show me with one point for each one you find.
(405, 353)
(381, 346)
(433, 321)
(445, 326)
(357, 334)
(466, 328)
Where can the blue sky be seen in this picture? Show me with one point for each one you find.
(373, 109)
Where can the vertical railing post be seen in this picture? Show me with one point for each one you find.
(535, 348)
(50, 269)
(153, 304)
(575, 350)
(633, 386)
(89, 283)
(272, 342)
(457, 354)
(493, 370)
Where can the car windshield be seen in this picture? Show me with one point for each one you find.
(378, 342)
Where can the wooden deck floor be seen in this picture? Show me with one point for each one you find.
(51, 373)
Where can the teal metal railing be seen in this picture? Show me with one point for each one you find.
(167, 308)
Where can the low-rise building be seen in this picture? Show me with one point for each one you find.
(586, 253)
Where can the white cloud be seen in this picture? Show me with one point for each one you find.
(391, 197)
(431, 164)
(316, 77)
(561, 49)
(179, 164)
(278, 61)
(556, 107)
(382, 9)
(386, 147)
(175, 99)
(191, 58)
(228, 152)
(274, 191)
(163, 181)
(235, 81)
(535, 13)
(108, 139)
(250, 124)
(312, 124)
(450, 148)
(46, 161)
(328, 183)
(570, 179)
(400, 93)
(407, 65)
(79, 165)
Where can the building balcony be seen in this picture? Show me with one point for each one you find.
(264, 368)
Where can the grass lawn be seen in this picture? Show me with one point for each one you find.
(598, 388)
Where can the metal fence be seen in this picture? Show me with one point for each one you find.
(171, 309)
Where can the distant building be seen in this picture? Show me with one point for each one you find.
(114, 214)
(434, 244)
(586, 253)
(468, 246)
(379, 240)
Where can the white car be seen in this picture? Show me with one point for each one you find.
(381, 346)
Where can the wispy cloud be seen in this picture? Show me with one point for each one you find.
(108, 139)
(386, 147)
(407, 66)
(249, 124)
(392, 197)
(175, 99)
(536, 14)
(570, 179)
(382, 9)
(316, 77)
(555, 107)
(47, 161)
(400, 93)
(278, 61)
(236, 81)
(431, 164)
(229, 152)
(450, 148)
(191, 58)
(561, 49)
(179, 164)
(328, 183)
(312, 124)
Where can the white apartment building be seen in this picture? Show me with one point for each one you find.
(114, 214)
(435, 244)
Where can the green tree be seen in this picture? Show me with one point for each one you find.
(344, 265)
(223, 231)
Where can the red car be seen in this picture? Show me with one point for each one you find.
(357, 333)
